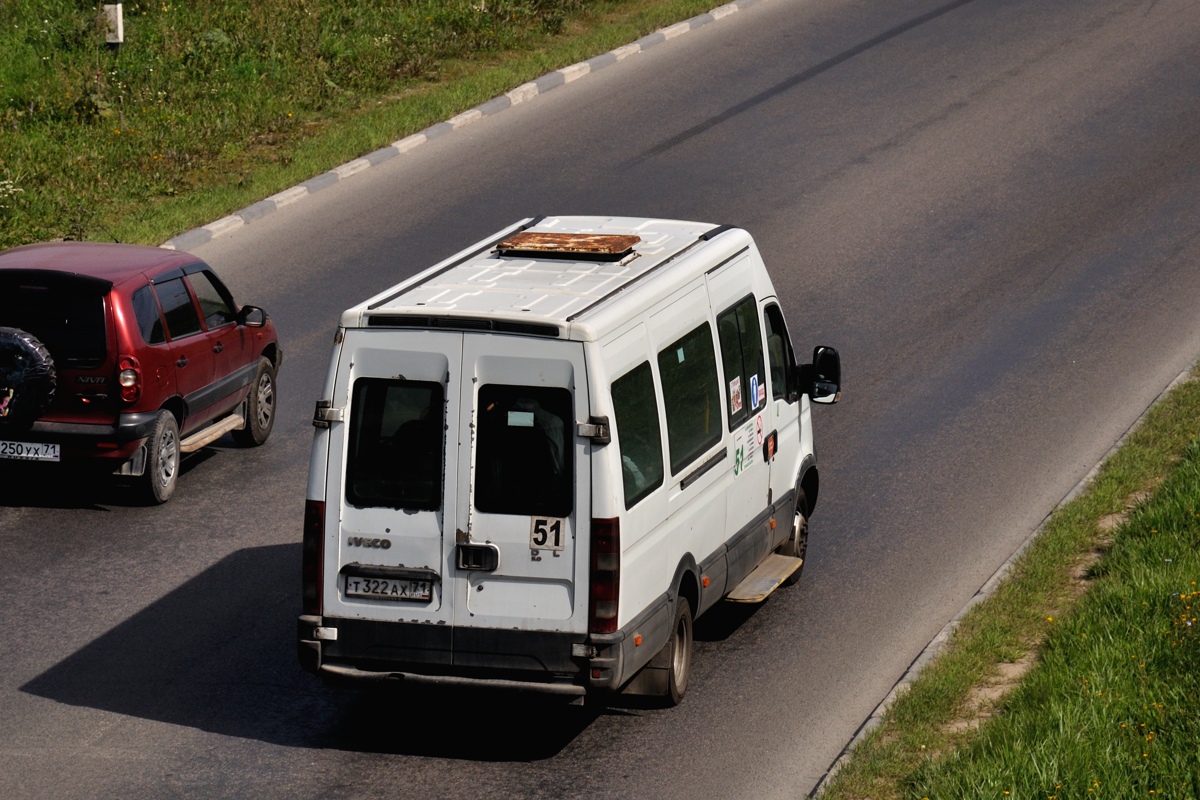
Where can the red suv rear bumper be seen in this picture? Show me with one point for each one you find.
(79, 441)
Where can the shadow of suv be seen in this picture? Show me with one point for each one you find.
(127, 357)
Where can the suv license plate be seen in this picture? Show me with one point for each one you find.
(29, 451)
(388, 588)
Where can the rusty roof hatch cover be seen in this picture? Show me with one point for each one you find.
(601, 246)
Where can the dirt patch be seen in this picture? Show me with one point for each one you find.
(1106, 528)
(984, 699)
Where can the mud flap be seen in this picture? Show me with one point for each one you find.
(651, 680)
(136, 466)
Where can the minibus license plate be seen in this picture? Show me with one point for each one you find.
(29, 451)
(388, 588)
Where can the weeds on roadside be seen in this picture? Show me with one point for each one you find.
(1111, 709)
(202, 92)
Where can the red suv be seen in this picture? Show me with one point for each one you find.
(127, 357)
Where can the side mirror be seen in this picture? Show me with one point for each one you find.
(826, 372)
(252, 317)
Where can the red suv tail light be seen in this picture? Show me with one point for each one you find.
(605, 581)
(313, 555)
(129, 378)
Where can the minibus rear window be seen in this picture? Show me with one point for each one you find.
(397, 444)
(524, 461)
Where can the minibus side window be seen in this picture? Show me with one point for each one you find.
(640, 437)
(691, 396)
(742, 356)
(397, 444)
(779, 351)
(524, 460)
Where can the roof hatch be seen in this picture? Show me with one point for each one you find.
(588, 246)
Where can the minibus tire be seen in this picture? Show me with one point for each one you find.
(797, 544)
(679, 667)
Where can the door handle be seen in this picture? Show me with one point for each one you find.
(183, 362)
(218, 347)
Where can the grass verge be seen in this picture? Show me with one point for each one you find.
(1080, 676)
(210, 106)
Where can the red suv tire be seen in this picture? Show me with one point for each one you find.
(27, 379)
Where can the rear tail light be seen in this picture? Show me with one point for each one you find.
(313, 552)
(605, 582)
(129, 377)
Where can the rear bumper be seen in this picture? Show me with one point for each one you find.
(369, 650)
(128, 427)
(355, 675)
(573, 664)
(86, 441)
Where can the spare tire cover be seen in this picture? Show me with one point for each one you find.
(27, 379)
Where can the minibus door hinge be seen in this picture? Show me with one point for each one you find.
(596, 429)
(325, 414)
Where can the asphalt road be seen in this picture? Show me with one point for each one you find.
(988, 206)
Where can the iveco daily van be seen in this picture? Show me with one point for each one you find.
(537, 462)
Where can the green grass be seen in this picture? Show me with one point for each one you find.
(210, 106)
(1109, 708)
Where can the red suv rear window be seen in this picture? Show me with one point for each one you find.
(68, 320)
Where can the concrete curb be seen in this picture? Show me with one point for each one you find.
(522, 94)
(938, 642)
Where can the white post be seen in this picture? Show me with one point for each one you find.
(115, 33)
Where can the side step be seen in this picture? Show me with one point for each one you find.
(765, 578)
(234, 422)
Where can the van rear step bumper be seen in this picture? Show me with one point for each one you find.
(570, 664)
(423, 653)
(418, 679)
